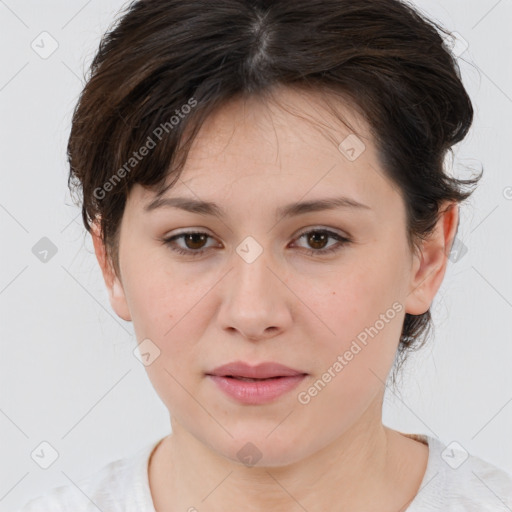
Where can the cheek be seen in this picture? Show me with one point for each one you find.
(151, 305)
(166, 309)
(363, 307)
(157, 295)
(366, 315)
(354, 296)
(168, 305)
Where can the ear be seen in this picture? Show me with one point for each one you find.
(430, 261)
(112, 281)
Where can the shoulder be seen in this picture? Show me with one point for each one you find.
(456, 481)
(116, 487)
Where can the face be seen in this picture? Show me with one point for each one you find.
(323, 291)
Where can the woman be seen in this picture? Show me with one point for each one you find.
(264, 183)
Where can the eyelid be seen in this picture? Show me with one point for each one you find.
(342, 240)
(308, 229)
(303, 231)
(170, 238)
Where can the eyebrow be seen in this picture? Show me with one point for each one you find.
(290, 210)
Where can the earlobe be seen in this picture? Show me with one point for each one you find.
(118, 300)
(112, 282)
(431, 260)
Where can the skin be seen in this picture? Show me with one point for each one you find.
(288, 306)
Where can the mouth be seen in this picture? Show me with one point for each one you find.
(255, 385)
(263, 371)
(249, 379)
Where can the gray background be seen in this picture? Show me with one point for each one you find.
(68, 374)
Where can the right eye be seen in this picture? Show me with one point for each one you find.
(193, 240)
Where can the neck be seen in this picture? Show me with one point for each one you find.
(353, 472)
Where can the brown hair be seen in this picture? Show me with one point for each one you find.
(166, 65)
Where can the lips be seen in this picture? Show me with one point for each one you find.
(255, 385)
(243, 371)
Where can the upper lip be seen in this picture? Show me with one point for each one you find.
(261, 371)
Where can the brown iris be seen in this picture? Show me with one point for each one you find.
(195, 238)
(317, 237)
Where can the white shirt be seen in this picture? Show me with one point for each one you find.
(453, 482)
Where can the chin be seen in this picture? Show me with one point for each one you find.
(262, 451)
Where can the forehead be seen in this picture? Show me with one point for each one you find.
(291, 120)
(291, 144)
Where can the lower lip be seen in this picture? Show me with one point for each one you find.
(256, 392)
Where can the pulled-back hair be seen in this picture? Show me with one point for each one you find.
(166, 65)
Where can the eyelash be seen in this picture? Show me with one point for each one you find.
(311, 252)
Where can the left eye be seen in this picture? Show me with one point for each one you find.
(317, 238)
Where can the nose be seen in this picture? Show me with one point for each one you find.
(256, 302)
